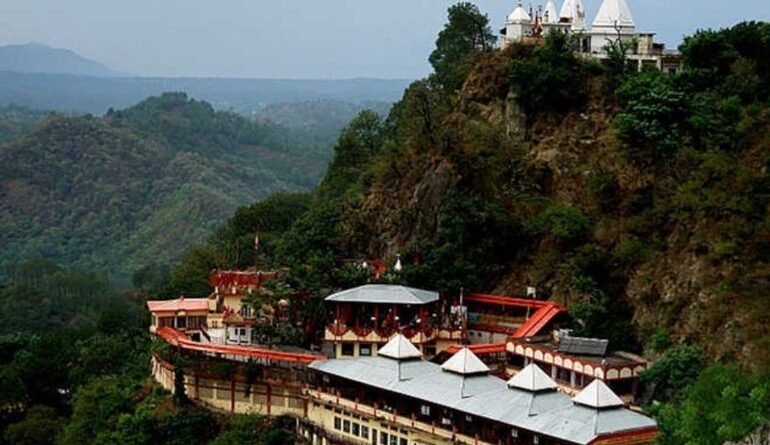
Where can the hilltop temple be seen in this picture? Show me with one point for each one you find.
(613, 23)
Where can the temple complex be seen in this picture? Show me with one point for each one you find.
(613, 25)
(403, 366)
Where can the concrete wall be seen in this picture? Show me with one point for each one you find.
(232, 396)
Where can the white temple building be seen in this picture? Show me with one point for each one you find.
(613, 22)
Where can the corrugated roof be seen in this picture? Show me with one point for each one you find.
(465, 362)
(551, 414)
(399, 348)
(598, 395)
(583, 346)
(384, 294)
(533, 379)
(180, 304)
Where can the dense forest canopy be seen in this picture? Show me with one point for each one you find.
(140, 185)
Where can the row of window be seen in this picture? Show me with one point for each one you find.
(364, 350)
(356, 429)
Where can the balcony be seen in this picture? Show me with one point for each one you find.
(433, 431)
(339, 332)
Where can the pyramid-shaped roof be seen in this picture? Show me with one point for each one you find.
(519, 15)
(614, 13)
(399, 348)
(384, 294)
(532, 379)
(550, 13)
(598, 395)
(465, 362)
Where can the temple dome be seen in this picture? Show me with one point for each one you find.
(549, 14)
(572, 11)
(614, 13)
(519, 15)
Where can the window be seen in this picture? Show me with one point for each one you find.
(468, 418)
(393, 439)
(446, 421)
(425, 410)
(347, 349)
(514, 433)
(402, 441)
(364, 432)
(356, 429)
(337, 423)
(346, 426)
(383, 438)
(535, 440)
(365, 350)
(374, 436)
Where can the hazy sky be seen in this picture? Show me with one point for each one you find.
(295, 38)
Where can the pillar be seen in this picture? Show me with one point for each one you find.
(572, 378)
(232, 394)
(269, 397)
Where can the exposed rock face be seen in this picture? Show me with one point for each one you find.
(760, 437)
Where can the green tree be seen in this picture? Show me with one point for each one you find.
(41, 426)
(724, 404)
(552, 79)
(653, 117)
(97, 406)
(466, 35)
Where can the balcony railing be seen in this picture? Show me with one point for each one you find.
(342, 332)
(408, 422)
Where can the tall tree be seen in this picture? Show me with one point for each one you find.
(466, 35)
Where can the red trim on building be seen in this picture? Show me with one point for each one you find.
(488, 348)
(180, 304)
(506, 301)
(226, 278)
(620, 438)
(538, 321)
(182, 341)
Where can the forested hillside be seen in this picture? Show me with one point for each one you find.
(15, 120)
(141, 185)
(638, 199)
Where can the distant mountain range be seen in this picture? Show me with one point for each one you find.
(37, 58)
(44, 78)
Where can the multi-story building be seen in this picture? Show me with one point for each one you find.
(225, 317)
(367, 317)
(398, 398)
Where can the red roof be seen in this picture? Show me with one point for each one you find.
(180, 304)
(224, 278)
(506, 301)
(538, 321)
(546, 311)
(181, 340)
(479, 349)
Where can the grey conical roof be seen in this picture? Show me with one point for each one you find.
(598, 395)
(532, 379)
(399, 348)
(465, 362)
